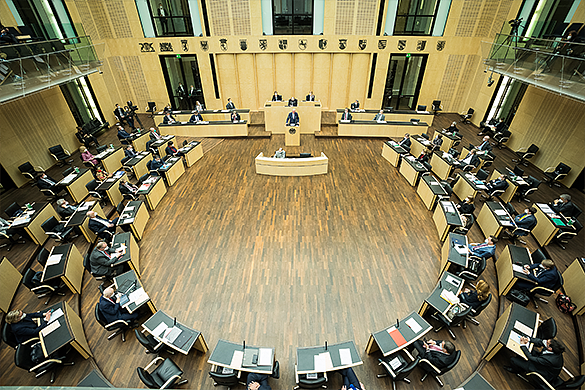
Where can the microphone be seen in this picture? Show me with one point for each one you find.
(326, 345)
(244, 345)
(397, 323)
(175, 322)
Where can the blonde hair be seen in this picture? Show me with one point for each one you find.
(13, 317)
(483, 290)
(82, 149)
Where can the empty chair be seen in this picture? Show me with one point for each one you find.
(553, 175)
(14, 210)
(56, 230)
(150, 343)
(43, 256)
(475, 266)
(482, 174)
(425, 136)
(546, 292)
(166, 375)
(566, 234)
(124, 141)
(8, 234)
(517, 171)
(399, 373)
(502, 138)
(30, 172)
(42, 290)
(448, 189)
(119, 326)
(435, 372)
(436, 107)
(533, 184)
(547, 330)
(23, 359)
(310, 383)
(227, 379)
(537, 256)
(525, 154)
(92, 190)
(60, 155)
(465, 117)
(510, 209)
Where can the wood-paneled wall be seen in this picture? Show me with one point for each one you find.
(30, 126)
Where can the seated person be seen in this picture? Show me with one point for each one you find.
(452, 129)
(98, 224)
(86, 138)
(23, 326)
(5, 227)
(380, 117)
(406, 142)
(101, 175)
(471, 159)
(280, 153)
(438, 141)
(102, 258)
(491, 130)
(544, 274)
(350, 380)
(355, 105)
(466, 206)
(168, 119)
(230, 105)
(439, 353)
(527, 220)
(64, 209)
(310, 97)
(109, 306)
(256, 381)
(293, 118)
(235, 117)
(123, 134)
(474, 298)
(129, 152)
(46, 182)
(196, 117)
(168, 108)
(346, 116)
(425, 156)
(563, 205)
(127, 188)
(7, 37)
(156, 163)
(500, 183)
(276, 97)
(485, 249)
(170, 150)
(548, 362)
(86, 156)
(154, 136)
(199, 107)
(122, 116)
(485, 146)
(292, 102)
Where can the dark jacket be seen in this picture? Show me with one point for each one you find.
(101, 263)
(26, 328)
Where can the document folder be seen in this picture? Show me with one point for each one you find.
(397, 337)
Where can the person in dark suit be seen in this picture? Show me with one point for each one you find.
(7, 37)
(111, 310)
(405, 142)
(355, 105)
(23, 326)
(346, 116)
(199, 107)
(563, 205)
(310, 97)
(485, 249)
(292, 102)
(548, 362)
(500, 183)
(156, 163)
(526, 220)
(102, 258)
(438, 141)
(474, 298)
(235, 117)
(98, 224)
(425, 156)
(154, 136)
(466, 206)
(230, 105)
(170, 150)
(256, 381)
(439, 353)
(293, 118)
(485, 146)
(123, 134)
(191, 96)
(127, 188)
(544, 274)
(46, 182)
(350, 379)
(122, 116)
(490, 130)
(168, 119)
(380, 116)
(64, 209)
(276, 97)
(162, 14)
(182, 93)
(471, 159)
(129, 152)
(196, 117)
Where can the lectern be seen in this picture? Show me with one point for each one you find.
(292, 136)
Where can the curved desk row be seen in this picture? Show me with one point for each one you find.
(394, 115)
(372, 128)
(208, 129)
(292, 166)
(185, 115)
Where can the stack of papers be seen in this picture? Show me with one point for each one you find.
(453, 281)
(56, 314)
(323, 362)
(21, 220)
(449, 297)
(54, 259)
(448, 207)
(67, 179)
(265, 357)
(523, 328)
(138, 296)
(345, 356)
(50, 328)
(412, 324)
(461, 249)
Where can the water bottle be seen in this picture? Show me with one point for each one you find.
(76, 170)
(111, 146)
(28, 206)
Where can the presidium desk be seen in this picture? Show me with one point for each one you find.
(307, 166)
(207, 129)
(275, 114)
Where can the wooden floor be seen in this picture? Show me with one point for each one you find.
(290, 262)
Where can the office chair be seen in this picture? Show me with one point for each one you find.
(502, 138)
(11, 241)
(455, 321)
(521, 232)
(467, 116)
(119, 326)
(129, 170)
(23, 359)
(43, 256)
(124, 141)
(164, 376)
(435, 372)
(539, 382)
(547, 329)
(482, 174)
(436, 107)
(89, 164)
(60, 155)
(142, 179)
(50, 194)
(221, 379)
(310, 383)
(401, 372)
(525, 154)
(475, 312)
(29, 171)
(517, 171)
(151, 171)
(8, 336)
(538, 255)
(546, 292)
(43, 290)
(56, 230)
(150, 343)
(533, 184)
(120, 207)
(510, 209)
(92, 190)
(495, 193)
(87, 266)
(475, 266)
(464, 229)
(14, 210)
(575, 213)
(151, 109)
(563, 236)
(425, 136)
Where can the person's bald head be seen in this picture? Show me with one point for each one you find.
(91, 214)
(108, 292)
(101, 246)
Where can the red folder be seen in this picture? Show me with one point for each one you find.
(397, 337)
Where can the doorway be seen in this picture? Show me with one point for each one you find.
(180, 69)
(505, 100)
(403, 81)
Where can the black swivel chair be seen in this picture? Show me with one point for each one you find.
(60, 155)
(151, 109)
(436, 107)
(502, 138)
(92, 190)
(310, 383)
(546, 292)
(482, 174)
(43, 290)
(165, 376)
(495, 193)
(553, 175)
(435, 372)
(399, 373)
(547, 329)
(525, 154)
(50, 194)
(43, 256)
(30, 172)
(467, 116)
(228, 379)
(475, 312)
(119, 326)
(150, 343)
(14, 210)
(563, 236)
(56, 230)
(539, 382)
(455, 321)
(8, 337)
(11, 241)
(533, 184)
(475, 267)
(538, 255)
(124, 141)
(521, 232)
(22, 359)
(465, 229)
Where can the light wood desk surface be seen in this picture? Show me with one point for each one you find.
(291, 166)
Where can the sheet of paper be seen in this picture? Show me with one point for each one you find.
(56, 314)
(481, 187)
(523, 328)
(237, 359)
(54, 259)
(50, 328)
(111, 179)
(128, 208)
(452, 280)
(138, 296)
(517, 268)
(461, 249)
(506, 223)
(500, 212)
(412, 324)
(127, 220)
(265, 357)
(434, 183)
(395, 363)
(514, 336)
(160, 329)
(545, 208)
(319, 363)
(391, 329)
(345, 356)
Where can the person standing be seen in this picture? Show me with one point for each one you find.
(162, 14)
(293, 118)
(230, 105)
(182, 95)
(191, 94)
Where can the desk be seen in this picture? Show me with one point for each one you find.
(161, 144)
(507, 277)
(131, 278)
(429, 189)
(330, 358)
(492, 219)
(79, 218)
(394, 115)
(291, 166)
(548, 224)
(467, 185)
(94, 379)
(32, 220)
(574, 277)
(449, 282)
(411, 169)
(445, 217)
(231, 355)
(138, 164)
(111, 187)
(172, 170)
(207, 129)
(441, 166)
(419, 144)
(449, 140)
(391, 151)
(514, 316)
(139, 143)
(513, 183)
(185, 115)
(136, 215)
(132, 255)
(111, 159)
(9, 281)
(382, 341)
(69, 267)
(188, 338)
(372, 128)
(75, 184)
(153, 190)
(275, 114)
(450, 255)
(476, 382)
(70, 331)
(193, 151)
